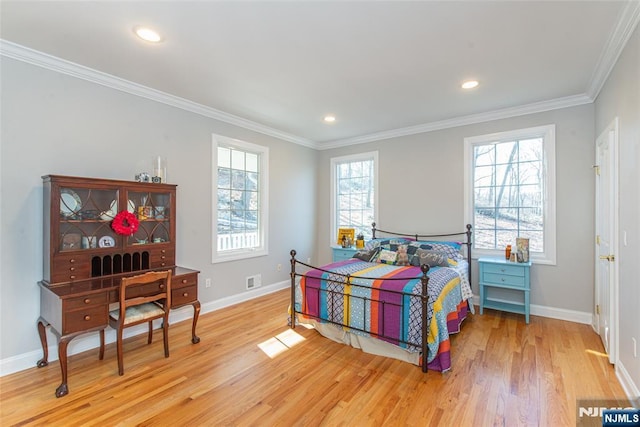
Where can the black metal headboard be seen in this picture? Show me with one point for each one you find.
(422, 236)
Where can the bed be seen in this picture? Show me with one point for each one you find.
(401, 296)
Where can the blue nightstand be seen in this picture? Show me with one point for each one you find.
(339, 253)
(503, 274)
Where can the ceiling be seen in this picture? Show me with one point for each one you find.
(382, 68)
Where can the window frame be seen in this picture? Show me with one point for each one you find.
(263, 200)
(335, 161)
(547, 133)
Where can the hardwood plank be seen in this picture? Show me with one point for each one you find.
(505, 372)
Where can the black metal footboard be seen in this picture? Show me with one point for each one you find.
(336, 294)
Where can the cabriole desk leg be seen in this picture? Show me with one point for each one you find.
(42, 331)
(63, 389)
(196, 313)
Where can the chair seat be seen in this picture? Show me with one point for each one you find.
(139, 312)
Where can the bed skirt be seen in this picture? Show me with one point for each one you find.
(441, 363)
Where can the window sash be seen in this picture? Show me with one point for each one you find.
(354, 184)
(240, 177)
(510, 191)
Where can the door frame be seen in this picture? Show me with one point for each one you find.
(611, 130)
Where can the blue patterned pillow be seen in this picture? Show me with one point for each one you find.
(390, 244)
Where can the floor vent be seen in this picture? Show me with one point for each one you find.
(254, 281)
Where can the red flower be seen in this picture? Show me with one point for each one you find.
(125, 223)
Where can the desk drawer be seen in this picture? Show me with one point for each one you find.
(70, 268)
(182, 296)
(84, 319)
(86, 301)
(162, 258)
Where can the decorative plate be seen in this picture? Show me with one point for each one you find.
(70, 202)
(131, 207)
(106, 242)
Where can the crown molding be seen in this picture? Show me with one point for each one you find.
(627, 22)
(536, 107)
(25, 54)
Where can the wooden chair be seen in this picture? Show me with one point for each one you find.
(143, 298)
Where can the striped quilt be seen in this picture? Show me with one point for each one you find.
(371, 304)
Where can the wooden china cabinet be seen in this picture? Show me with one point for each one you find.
(84, 258)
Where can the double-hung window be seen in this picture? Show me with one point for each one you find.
(240, 184)
(510, 191)
(354, 193)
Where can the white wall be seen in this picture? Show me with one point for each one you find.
(620, 97)
(421, 189)
(57, 124)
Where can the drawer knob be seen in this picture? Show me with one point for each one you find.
(162, 265)
(72, 269)
(162, 257)
(162, 286)
(87, 300)
(72, 277)
(186, 294)
(72, 260)
(87, 317)
(502, 278)
(184, 280)
(163, 251)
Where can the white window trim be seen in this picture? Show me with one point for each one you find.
(370, 155)
(263, 250)
(548, 132)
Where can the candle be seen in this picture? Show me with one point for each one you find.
(160, 168)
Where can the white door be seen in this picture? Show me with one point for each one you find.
(606, 234)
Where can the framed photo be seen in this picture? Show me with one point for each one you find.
(522, 249)
(349, 233)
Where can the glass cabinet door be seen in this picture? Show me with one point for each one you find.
(152, 209)
(85, 218)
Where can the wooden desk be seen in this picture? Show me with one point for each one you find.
(75, 308)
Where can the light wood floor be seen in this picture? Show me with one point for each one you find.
(504, 373)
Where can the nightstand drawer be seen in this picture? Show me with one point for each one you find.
(506, 269)
(503, 279)
(340, 254)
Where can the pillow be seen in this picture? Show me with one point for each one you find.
(387, 257)
(431, 258)
(452, 249)
(366, 255)
(386, 243)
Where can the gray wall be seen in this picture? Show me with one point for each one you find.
(57, 124)
(620, 97)
(421, 187)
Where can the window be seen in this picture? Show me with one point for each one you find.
(354, 198)
(510, 191)
(240, 182)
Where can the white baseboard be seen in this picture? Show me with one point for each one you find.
(86, 342)
(555, 313)
(630, 388)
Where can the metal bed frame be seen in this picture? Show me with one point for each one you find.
(346, 279)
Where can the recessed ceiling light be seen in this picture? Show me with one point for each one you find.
(329, 119)
(470, 84)
(147, 34)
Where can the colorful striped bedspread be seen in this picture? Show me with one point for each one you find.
(372, 306)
